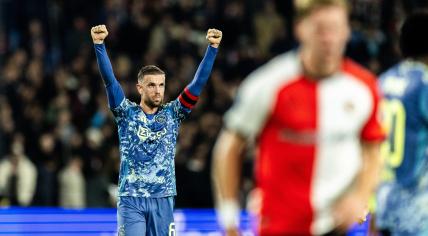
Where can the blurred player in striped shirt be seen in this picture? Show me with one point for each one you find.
(314, 117)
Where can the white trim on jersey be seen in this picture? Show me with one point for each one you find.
(254, 101)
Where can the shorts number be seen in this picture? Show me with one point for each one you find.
(171, 231)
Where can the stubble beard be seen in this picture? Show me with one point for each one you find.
(152, 104)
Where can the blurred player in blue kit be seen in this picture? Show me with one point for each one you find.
(402, 198)
(147, 137)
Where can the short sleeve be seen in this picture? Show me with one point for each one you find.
(249, 110)
(257, 95)
(372, 130)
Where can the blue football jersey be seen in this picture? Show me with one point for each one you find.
(147, 142)
(147, 148)
(402, 198)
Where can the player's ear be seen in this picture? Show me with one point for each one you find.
(139, 88)
(299, 30)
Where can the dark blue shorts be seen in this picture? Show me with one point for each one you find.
(139, 216)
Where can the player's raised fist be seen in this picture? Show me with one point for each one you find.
(214, 37)
(99, 33)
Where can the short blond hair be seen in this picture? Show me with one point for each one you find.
(306, 7)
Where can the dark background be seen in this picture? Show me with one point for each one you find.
(52, 100)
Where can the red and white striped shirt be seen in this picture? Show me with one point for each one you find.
(308, 136)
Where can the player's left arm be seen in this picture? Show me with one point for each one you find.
(352, 207)
(372, 137)
(226, 172)
(190, 94)
(369, 176)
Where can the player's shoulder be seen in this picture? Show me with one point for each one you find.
(286, 64)
(392, 71)
(174, 106)
(169, 105)
(358, 72)
(413, 72)
(126, 105)
(130, 104)
(280, 69)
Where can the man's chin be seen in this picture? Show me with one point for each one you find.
(154, 104)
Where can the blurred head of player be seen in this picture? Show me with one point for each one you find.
(322, 29)
(413, 37)
(151, 85)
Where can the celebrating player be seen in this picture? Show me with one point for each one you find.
(313, 115)
(147, 138)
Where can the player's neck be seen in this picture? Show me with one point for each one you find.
(148, 109)
(318, 68)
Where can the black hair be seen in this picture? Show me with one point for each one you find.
(414, 36)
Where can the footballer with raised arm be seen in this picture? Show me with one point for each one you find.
(147, 138)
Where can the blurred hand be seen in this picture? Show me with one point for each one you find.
(348, 210)
(214, 37)
(99, 33)
(232, 232)
(363, 217)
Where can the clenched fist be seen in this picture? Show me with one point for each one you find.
(214, 37)
(99, 33)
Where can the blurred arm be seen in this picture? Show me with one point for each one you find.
(353, 207)
(368, 178)
(226, 173)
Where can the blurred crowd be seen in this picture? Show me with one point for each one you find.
(58, 141)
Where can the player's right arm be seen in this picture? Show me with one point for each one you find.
(114, 90)
(242, 123)
(227, 164)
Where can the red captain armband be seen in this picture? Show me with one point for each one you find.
(187, 99)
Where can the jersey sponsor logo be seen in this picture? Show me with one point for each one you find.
(145, 133)
(309, 137)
